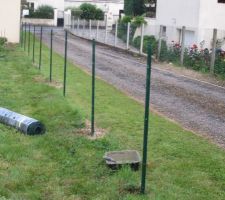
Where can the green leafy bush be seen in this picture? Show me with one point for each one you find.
(3, 41)
(122, 28)
(197, 59)
(139, 20)
(42, 12)
(90, 11)
(147, 40)
(126, 19)
(171, 53)
(122, 31)
(164, 54)
(194, 58)
(99, 14)
(220, 63)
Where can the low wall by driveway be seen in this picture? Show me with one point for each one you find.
(47, 22)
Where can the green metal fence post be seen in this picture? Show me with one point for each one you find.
(65, 64)
(25, 36)
(40, 53)
(50, 76)
(146, 120)
(93, 90)
(29, 39)
(34, 43)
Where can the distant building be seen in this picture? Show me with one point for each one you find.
(58, 5)
(199, 16)
(10, 20)
(111, 8)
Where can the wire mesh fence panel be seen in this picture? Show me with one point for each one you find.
(189, 46)
(121, 70)
(195, 48)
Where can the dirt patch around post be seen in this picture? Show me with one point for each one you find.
(54, 84)
(86, 131)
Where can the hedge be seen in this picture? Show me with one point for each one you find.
(42, 12)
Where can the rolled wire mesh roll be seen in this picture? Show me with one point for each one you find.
(22, 123)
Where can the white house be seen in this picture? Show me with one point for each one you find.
(110, 7)
(199, 16)
(58, 5)
(10, 20)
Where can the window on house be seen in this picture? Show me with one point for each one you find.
(151, 8)
(221, 1)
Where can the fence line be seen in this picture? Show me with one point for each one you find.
(125, 36)
(148, 76)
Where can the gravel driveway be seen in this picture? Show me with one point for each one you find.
(196, 105)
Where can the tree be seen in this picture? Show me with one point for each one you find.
(44, 12)
(99, 14)
(138, 7)
(128, 7)
(90, 11)
(134, 7)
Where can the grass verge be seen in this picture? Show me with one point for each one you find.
(64, 165)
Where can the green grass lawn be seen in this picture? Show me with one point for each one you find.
(62, 164)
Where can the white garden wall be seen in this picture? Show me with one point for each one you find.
(46, 22)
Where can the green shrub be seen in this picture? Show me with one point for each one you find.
(147, 40)
(122, 30)
(194, 58)
(170, 54)
(126, 19)
(122, 27)
(90, 11)
(42, 12)
(3, 41)
(139, 20)
(164, 54)
(99, 14)
(220, 64)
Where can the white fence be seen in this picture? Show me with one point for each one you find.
(123, 36)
